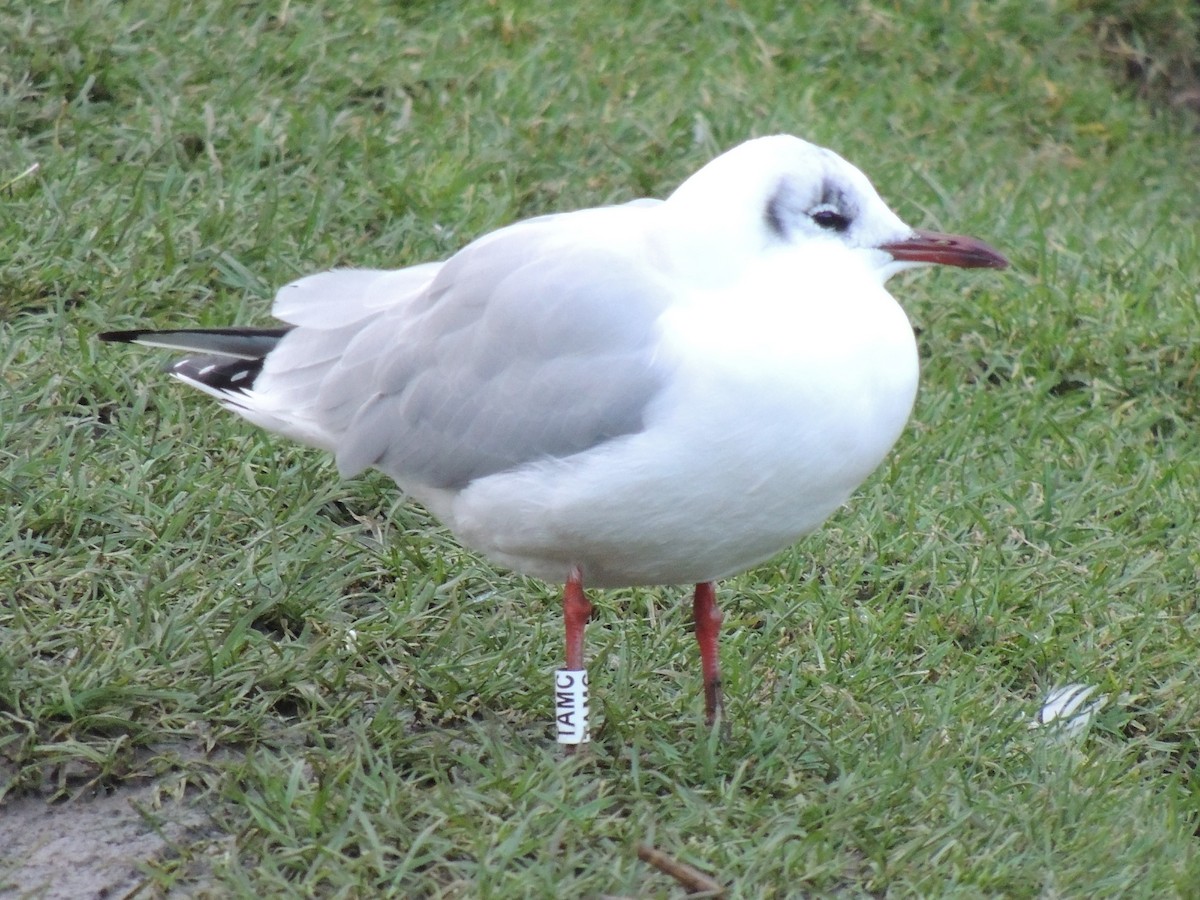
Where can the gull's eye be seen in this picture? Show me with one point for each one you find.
(831, 220)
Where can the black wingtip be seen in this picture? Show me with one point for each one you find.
(241, 343)
(121, 337)
(221, 375)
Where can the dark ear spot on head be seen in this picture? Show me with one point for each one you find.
(774, 215)
(783, 208)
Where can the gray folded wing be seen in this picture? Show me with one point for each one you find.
(523, 346)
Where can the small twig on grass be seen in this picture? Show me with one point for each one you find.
(30, 171)
(691, 878)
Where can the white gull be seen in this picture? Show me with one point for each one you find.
(654, 393)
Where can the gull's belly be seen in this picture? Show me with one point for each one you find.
(738, 460)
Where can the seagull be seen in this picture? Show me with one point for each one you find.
(654, 393)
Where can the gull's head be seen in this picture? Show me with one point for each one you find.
(781, 192)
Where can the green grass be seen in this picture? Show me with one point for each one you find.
(363, 706)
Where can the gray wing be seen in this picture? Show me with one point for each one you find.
(522, 347)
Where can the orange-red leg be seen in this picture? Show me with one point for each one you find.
(708, 620)
(576, 610)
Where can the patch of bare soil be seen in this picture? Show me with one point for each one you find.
(94, 845)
